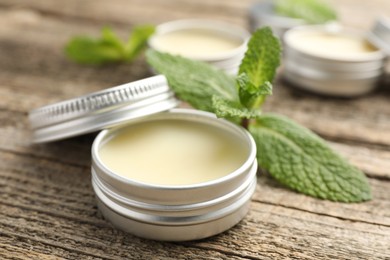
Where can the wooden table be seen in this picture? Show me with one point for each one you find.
(47, 206)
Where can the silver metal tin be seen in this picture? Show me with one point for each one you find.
(324, 74)
(101, 109)
(228, 61)
(380, 34)
(176, 213)
(263, 14)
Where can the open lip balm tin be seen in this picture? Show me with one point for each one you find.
(173, 212)
(332, 60)
(217, 43)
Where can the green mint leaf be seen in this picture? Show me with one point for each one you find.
(193, 81)
(232, 110)
(258, 67)
(109, 48)
(301, 160)
(138, 40)
(311, 11)
(85, 50)
(250, 95)
(110, 38)
(262, 57)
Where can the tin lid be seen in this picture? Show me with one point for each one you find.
(380, 35)
(100, 110)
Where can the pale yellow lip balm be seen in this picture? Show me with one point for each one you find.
(332, 45)
(217, 43)
(196, 43)
(172, 152)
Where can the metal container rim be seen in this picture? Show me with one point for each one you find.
(207, 24)
(336, 29)
(183, 112)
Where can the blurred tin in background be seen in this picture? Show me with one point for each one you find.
(332, 60)
(220, 44)
(263, 14)
(320, 55)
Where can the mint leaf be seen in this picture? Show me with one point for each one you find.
(311, 11)
(110, 38)
(249, 94)
(193, 81)
(109, 48)
(85, 50)
(232, 110)
(301, 160)
(138, 40)
(258, 67)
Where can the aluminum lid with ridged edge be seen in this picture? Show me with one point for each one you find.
(100, 110)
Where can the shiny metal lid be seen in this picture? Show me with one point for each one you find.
(101, 109)
(380, 35)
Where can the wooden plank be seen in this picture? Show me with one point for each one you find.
(268, 231)
(138, 11)
(12, 252)
(128, 12)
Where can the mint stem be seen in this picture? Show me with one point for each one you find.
(245, 123)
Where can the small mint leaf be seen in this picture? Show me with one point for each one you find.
(109, 48)
(265, 89)
(301, 160)
(110, 38)
(85, 50)
(262, 57)
(138, 40)
(193, 81)
(232, 110)
(311, 11)
(250, 95)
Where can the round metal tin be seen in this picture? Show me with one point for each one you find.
(345, 76)
(176, 213)
(380, 34)
(101, 109)
(228, 61)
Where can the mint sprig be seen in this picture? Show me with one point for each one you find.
(109, 48)
(292, 154)
(311, 11)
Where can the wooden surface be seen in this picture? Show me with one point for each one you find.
(47, 206)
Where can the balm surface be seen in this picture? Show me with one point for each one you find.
(172, 152)
(333, 45)
(196, 43)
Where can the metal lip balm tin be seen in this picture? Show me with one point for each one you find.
(333, 75)
(379, 35)
(176, 213)
(173, 213)
(228, 61)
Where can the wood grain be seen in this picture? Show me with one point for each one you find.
(47, 205)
